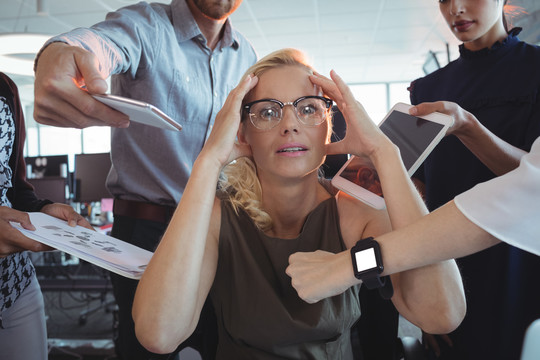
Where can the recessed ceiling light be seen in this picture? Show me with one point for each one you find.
(18, 50)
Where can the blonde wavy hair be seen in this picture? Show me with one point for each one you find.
(239, 182)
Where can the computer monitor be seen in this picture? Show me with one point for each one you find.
(38, 167)
(51, 188)
(91, 172)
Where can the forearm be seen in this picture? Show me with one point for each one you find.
(107, 53)
(444, 234)
(498, 155)
(434, 299)
(441, 235)
(174, 287)
(403, 202)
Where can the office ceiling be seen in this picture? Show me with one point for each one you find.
(364, 40)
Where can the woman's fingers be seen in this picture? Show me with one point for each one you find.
(231, 110)
(328, 86)
(349, 100)
(221, 142)
(345, 91)
(429, 107)
(236, 96)
(336, 148)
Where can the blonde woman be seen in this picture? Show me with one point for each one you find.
(235, 245)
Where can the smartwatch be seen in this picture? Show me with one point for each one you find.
(368, 266)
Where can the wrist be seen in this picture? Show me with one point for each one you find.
(346, 270)
(467, 128)
(47, 47)
(367, 265)
(385, 151)
(206, 165)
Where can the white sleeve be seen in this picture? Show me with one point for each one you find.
(508, 207)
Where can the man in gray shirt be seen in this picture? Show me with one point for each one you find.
(183, 58)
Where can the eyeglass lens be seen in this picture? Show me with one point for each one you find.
(267, 114)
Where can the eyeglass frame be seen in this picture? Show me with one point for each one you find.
(247, 108)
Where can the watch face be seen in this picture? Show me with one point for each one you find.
(365, 260)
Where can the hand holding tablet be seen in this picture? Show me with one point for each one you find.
(415, 137)
(139, 111)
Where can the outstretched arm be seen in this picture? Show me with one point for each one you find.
(441, 235)
(498, 155)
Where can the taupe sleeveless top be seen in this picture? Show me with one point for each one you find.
(260, 315)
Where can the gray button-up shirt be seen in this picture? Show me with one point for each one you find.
(157, 54)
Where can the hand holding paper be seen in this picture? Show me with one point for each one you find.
(99, 249)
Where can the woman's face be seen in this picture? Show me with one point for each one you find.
(478, 23)
(290, 149)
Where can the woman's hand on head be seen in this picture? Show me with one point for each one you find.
(221, 143)
(462, 118)
(363, 137)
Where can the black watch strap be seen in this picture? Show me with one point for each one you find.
(384, 284)
(374, 282)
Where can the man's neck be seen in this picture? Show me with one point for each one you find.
(211, 29)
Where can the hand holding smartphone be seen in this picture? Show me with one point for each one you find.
(139, 111)
(415, 137)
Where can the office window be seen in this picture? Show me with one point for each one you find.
(399, 93)
(55, 140)
(96, 139)
(44, 140)
(373, 98)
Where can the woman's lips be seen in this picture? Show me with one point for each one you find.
(462, 26)
(291, 150)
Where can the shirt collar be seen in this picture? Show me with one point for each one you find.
(499, 46)
(186, 27)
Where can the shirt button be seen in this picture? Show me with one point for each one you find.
(215, 93)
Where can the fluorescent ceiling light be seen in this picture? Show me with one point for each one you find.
(18, 50)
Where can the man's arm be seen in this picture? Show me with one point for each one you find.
(60, 100)
(74, 65)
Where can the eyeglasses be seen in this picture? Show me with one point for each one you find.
(265, 114)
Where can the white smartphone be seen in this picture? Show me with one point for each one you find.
(415, 137)
(139, 111)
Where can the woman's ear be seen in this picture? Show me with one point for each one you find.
(240, 135)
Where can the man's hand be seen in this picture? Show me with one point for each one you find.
(61, 72)
(320, 274)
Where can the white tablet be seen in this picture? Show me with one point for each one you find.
(139, 111)
(415, 137)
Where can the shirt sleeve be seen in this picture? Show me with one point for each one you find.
(508, 207)
(128, 39)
